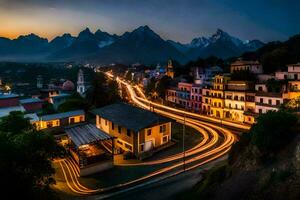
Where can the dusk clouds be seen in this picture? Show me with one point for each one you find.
(179, 20)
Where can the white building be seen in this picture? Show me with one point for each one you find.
(293, 73)
(81, 87)
(265, 102)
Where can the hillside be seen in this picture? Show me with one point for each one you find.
(276, 55)
(264, 164)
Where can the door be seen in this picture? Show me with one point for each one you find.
(148, 145)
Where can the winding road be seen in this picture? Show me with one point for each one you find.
(216, 143)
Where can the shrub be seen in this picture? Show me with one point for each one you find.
(273, 130)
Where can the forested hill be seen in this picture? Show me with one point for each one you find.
(275, 56)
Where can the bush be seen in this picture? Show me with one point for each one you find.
(273, 130)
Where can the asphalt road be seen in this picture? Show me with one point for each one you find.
(169, 188)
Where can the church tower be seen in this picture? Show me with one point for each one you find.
(81, 89)
(170, 71)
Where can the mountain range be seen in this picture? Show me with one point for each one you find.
(141, 45)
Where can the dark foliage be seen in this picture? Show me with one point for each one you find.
(25, 155)
(273, 130)
(276, 55)
(102, 92)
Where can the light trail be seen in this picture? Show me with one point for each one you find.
(210, 148)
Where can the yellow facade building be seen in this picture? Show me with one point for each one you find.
(136, 130)
(217, 94)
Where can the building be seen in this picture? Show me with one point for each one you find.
(91, 149)
(267, 101)
(196, 97)
(206, 100)
(137, 130)
(171, 95)
(60, 119)
(238, 99)
(292, 73)
(184, 94)
(9, 100)
(32, 104)
(217, 93)
(292, 91)
(241, 65)
(81, 84)
(170, 70)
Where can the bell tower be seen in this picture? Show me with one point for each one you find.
(170, 71)
(81, 89)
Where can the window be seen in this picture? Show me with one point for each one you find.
(149, 131)
(162, 128)
(119, 142)
(72, 120)
(142, 147)
(49, 124)
(112, 126)
(119, 129)
(242, 99)
(277, 102)
(261, 100)
(260, 111)
(270, 101)
(260, 88)
(128, 133)
(128, 146)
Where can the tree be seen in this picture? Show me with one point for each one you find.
(273, 130)
(74, 102)
(102, 92)
(25, 164)
(150, 88)
(162, 86)
(274, 85)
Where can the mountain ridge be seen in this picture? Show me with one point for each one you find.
(140, 45)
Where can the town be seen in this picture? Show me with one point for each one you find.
(179, 100)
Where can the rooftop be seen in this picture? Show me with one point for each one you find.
(86, 134)
(244, 62)
(129, 116)
(6, 110)
(62, 115)
(32, 117)
(8, 96)
(30, 100)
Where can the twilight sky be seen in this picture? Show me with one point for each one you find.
(179, 20)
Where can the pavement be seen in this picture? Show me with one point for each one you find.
(167, 189)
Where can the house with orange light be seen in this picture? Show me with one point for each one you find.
(136, 130)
